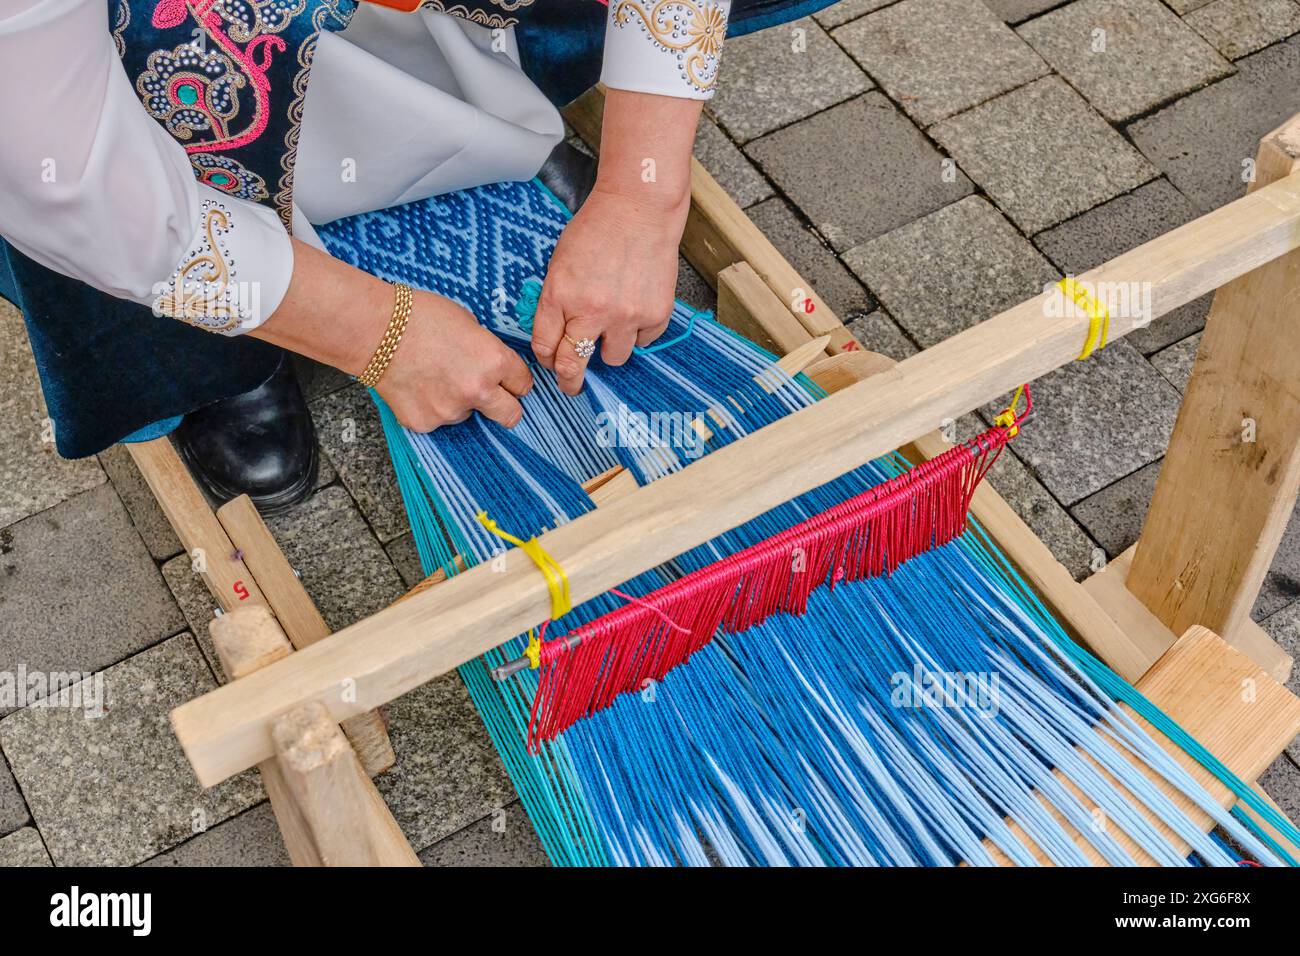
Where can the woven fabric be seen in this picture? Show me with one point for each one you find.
(477, 247)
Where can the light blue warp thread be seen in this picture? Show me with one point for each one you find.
(780, 745)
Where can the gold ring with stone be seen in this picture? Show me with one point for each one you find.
(585, 348)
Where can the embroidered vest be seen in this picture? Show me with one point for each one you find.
(227, 78)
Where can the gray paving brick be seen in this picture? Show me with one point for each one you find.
(406, 559)
(840, 13)
(951, 270)
(1015, 11)
(32, 475)
(1284, 627)
(691, 287)
(1282, 583)
(141, 505)
(734, 173)
(780, 75)
(1240, 27)
(1114, 515)
(1042, 154)
(13, 809)
(919, 51)
(116, 789)
(317, 380)
(878, 332)
(250, 839)
(1034, 504)
(1115, 227)
(23, 848)
(447, 774)
(1175, 362)
(1282, 782)
(1050, 522)
(348, 429)
(342, 566)
(197, 606)
(896, 176)
(506, 838)
(813, 260)
(1096, 421)
(1203, 140)
(78, 590)
(1125, 56)
(1186, 6)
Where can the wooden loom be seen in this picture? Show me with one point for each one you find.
(1219, 511)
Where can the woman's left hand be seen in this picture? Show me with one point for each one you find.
(611, 280)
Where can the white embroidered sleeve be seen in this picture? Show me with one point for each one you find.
(92, 187)
(669, 47)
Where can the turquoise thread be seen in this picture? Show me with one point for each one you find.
(665, 343)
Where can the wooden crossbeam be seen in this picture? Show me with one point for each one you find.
(402, 647)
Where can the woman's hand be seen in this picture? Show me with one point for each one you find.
(611, 280)
(614, 271)
(448, 365)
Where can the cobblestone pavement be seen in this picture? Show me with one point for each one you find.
(924, 163)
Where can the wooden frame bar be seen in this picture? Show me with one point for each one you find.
(397, 649)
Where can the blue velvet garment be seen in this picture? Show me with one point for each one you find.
(109, 367)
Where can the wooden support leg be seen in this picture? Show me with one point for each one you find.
(1229, 481)
(248, 639)
(299, 617)
(351, 824)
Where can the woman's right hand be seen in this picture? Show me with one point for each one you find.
(447, 366)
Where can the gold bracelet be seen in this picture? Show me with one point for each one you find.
(379, 362)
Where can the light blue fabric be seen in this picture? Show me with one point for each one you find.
(154, 430)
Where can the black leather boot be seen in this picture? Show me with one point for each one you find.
(260, 443)
(570, 174)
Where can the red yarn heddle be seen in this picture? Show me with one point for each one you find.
(867, 535)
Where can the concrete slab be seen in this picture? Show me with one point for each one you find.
(505, 838)
(1125, 56)
(1205, 142)
(1237, 28)
(896, 176)
(1042, 154)
(115, 789)
(32, 475)
(780, 75)
(919, 52)
(78, 589)
(951, 270)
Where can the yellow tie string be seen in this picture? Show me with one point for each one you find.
(1098, 317)
(557, 582)
(1007, 419)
